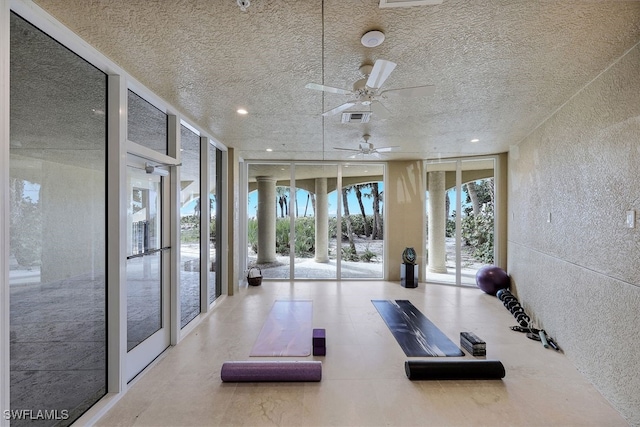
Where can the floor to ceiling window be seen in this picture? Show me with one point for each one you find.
(460, 219)
(214, 280)
(321, 221)
(190, 218)
(362, 244)
(314, 208)
(268, 220)
(57, 228)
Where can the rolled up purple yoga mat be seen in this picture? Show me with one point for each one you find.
(454, 369)
(279, 371)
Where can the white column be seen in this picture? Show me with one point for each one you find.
(437, 222)
(266, 219)
(322, 221)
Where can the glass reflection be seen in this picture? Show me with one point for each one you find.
(57, 251)
(144, 260)
(146, 124)
(215, 228)
(190, 202)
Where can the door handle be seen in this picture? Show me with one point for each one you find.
(149, 252)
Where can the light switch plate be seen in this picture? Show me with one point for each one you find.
(631, 218)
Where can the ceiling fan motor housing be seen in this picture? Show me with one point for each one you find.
(365, 70)
(360, 85)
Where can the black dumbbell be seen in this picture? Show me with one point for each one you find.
(502, 292)
(516, 310)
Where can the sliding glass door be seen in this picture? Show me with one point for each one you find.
(460, 219)
(315, 221)
(268, 221)
(313, 211)
(362, 242)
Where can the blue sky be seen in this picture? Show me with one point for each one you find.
(302, 196)
(333, 203)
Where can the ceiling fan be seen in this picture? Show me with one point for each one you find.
(366, 148)
(367, 92)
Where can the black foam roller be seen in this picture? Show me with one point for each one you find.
(454, 369)
(260, 371)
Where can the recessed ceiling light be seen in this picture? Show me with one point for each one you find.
(242, 111)
(475, 140)
(372, 38)
(269, 149)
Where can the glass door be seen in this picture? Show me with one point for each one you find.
(314, 208)
(269, 219)
(147, 268)
(361, 230)
(460, 219)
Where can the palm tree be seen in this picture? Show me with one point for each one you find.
(281, 194)
(473, 195)
(310, 197)
(377, 219)
(347, 218)
(357, 189)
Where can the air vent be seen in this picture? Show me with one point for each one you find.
(356, 117)
(407, 3)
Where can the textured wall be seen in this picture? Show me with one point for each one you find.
(579, 274)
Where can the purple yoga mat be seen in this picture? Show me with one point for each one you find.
(287, 330)
(271, 371)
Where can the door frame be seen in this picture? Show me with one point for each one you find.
(147, 351)
(500, 209)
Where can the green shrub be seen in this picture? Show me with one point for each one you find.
(305, 237)
(333, 227)
(252, 234)
(349, 254)
(368, 256)
(282, 236)
(451, 228)
(477, 232)
(212, 229)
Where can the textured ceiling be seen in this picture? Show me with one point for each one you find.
(500, 68)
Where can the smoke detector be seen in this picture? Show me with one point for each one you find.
(372, 38)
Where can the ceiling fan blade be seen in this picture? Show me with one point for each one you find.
(381, 70)
(329, 89)
(346, 149)
(379, 110)
(339, 109)
(410, 91)
(387, 149)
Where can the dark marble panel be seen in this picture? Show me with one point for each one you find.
(71, 391)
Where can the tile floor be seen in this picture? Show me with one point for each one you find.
(363, 382)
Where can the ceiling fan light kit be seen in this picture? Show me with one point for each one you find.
(372, 38)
